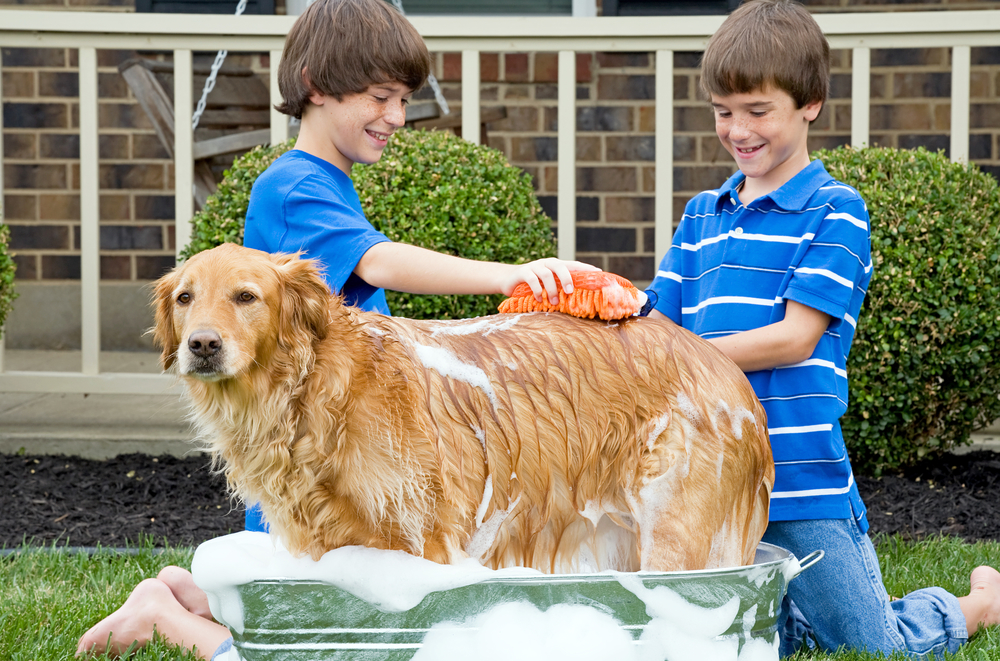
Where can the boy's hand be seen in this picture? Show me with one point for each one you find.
(544, 277)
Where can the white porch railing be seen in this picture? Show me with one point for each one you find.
(958, 30)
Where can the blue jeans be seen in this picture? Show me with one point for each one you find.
(841, 601)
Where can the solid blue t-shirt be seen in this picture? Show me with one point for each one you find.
(302, 203)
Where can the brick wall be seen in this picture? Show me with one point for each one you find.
(615, 141)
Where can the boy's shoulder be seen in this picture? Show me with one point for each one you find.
(813, 188)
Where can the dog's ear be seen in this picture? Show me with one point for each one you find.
(305, 297)
(164, 333)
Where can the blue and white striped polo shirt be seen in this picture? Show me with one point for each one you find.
(732, 267)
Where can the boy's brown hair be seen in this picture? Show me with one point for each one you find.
(344, 46)
(768, 42)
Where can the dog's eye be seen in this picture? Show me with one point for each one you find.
(184, 298)
(246, 297)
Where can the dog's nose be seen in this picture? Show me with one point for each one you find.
(204, 343)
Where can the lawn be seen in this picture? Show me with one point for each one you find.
(47, 600)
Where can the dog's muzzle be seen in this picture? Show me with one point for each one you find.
(204, 353)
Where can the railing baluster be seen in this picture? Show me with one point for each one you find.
(183, 148)
(279, 121)
(470, 96)
(861, 59)
(961, 70)
(664, 220)
(90, 237)
(566, 204)
(3, 335)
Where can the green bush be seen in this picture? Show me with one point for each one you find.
(430, 189)
(7, 294)
(924, 370)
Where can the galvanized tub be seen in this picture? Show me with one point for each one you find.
(363, 604)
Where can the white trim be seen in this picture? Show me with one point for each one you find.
(816, 362)
(725, 300)
(805, 429)
(826, 273)
(814, 492)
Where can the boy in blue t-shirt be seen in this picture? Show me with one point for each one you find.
(772, 269)
(351, 99)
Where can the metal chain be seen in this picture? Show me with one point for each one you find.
(438, 95)
(220, 57)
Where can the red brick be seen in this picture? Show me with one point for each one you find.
(515, 67)
(47, 176)
(606, 179)
(546, 67)
(60, 267)
(116, 267)
(59, 207)
(132, 175)
(451, 67)
(115, 207)
(20, 207)
(27, 267)
(647, 119)
(979, 85)
(19, 145)
(902, 117)
(636, 268)
(584, 67)
(18, 85)
(518, 119)
(648, 179)
(629, 209)
(588, 148)
(489, 67)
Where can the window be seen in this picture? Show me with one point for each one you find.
(469, 7)
(668, 7)
(202, 6)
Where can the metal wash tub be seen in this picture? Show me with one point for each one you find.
(281, 608)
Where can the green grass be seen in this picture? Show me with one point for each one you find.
(48, 600)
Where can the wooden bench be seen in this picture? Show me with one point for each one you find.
(237, 115)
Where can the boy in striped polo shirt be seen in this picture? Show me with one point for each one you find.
(772, 268)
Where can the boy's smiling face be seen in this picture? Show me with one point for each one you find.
(355, 129)
(766, 135)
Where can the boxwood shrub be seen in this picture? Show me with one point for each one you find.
(430, 189)
(924, 369)
(7, 294)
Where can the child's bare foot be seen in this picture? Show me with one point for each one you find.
(982, 606)
(133, 622)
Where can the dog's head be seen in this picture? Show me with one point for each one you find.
(228, 310)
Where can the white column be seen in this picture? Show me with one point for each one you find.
(279, 121)
(961, 70)
(566, 204)
(183, 148)
(664, 227)
(90, 236)
(470, 95)
(860, 96)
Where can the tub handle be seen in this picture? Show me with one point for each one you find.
(811, 559)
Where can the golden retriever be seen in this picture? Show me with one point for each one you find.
(538, 440)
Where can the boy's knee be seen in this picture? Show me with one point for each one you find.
(173, 575)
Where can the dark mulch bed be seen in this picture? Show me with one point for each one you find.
(116, 502)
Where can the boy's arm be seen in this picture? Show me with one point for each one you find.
(415, 270)
(785, 342)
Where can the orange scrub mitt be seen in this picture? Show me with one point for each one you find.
(595, 294)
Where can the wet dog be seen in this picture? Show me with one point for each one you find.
(538, 440)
